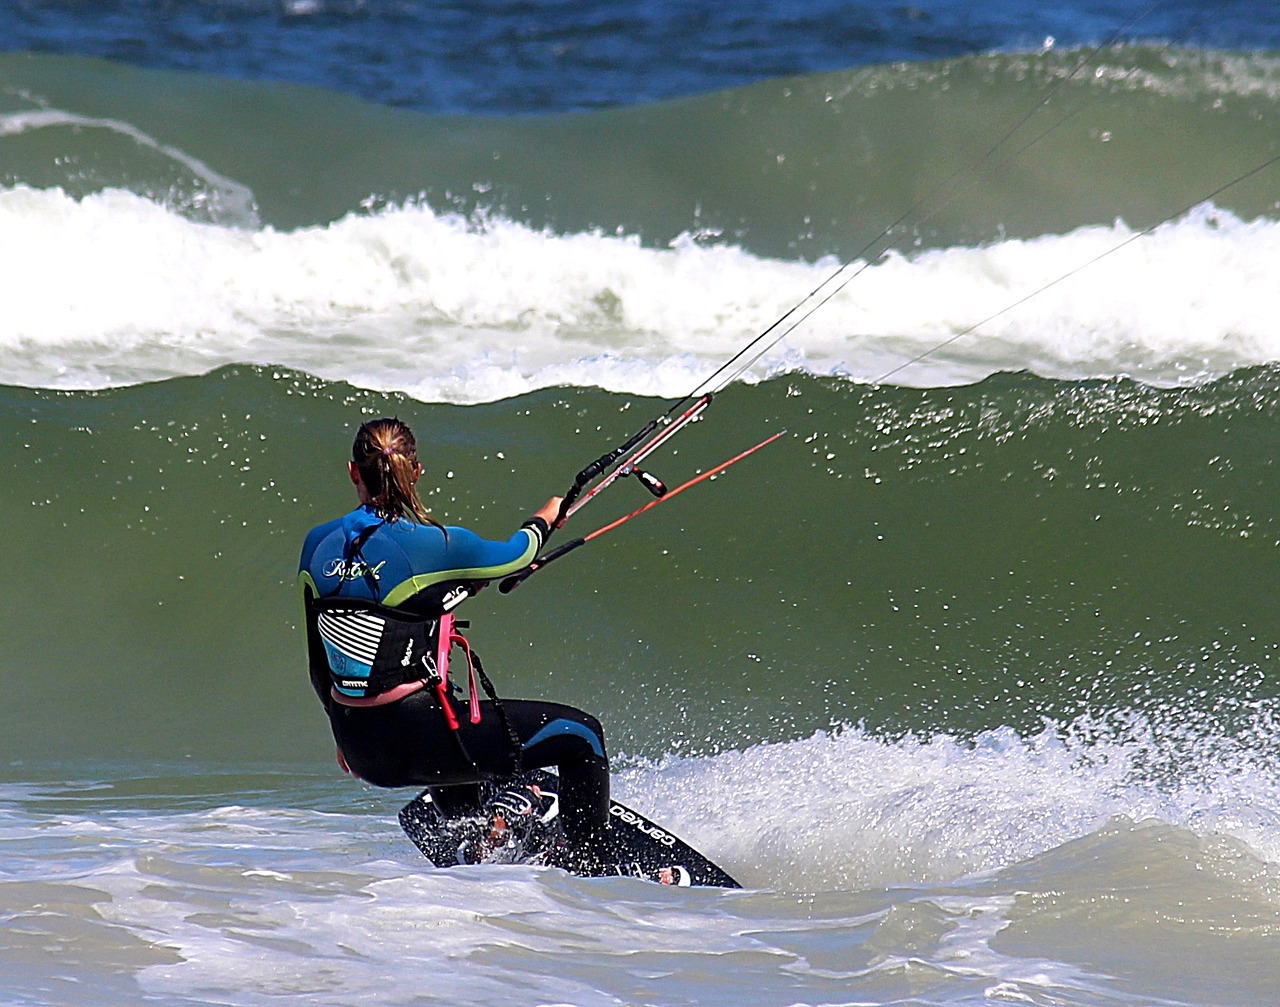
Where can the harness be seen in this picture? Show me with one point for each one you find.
(375, 649)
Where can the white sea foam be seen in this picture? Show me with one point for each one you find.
(848, 809)
(225, 199)
(869, 860)
(113, 289)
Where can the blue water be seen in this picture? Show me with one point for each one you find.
(530, 56)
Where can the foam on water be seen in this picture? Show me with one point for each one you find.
(868, 859)
(114, 289)
(217, 197)
(847, 809)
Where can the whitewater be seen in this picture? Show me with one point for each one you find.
(112, 289)
(851, 891)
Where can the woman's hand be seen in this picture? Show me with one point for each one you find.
(550, 511)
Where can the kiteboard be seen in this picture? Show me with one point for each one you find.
(635, 847)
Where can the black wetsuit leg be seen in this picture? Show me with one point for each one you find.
(552, 734)
(408, 743)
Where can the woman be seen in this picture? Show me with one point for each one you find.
(378, 587)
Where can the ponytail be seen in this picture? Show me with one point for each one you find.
(386, 455)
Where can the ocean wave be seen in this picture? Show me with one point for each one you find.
(847, 808)
(113, 289)
(967, 150)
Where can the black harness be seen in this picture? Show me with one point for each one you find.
(373, 648)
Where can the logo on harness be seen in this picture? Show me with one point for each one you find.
(455, 597)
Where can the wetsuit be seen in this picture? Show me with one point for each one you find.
(402, 736)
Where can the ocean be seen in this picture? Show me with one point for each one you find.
(970, 678)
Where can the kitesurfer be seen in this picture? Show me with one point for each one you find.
(378, 586)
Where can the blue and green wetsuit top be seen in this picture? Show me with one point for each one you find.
(358, 573)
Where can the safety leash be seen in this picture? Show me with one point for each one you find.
(450, 636)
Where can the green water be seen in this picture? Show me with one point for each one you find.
(804, 166)
(946, 559)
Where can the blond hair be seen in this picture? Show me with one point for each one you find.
(386, 456)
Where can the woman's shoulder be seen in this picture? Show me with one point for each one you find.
(322, 531)
(415, 529)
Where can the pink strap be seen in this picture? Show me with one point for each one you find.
(448, 638)
(443, 645)
(450, 717)
(473, 694)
